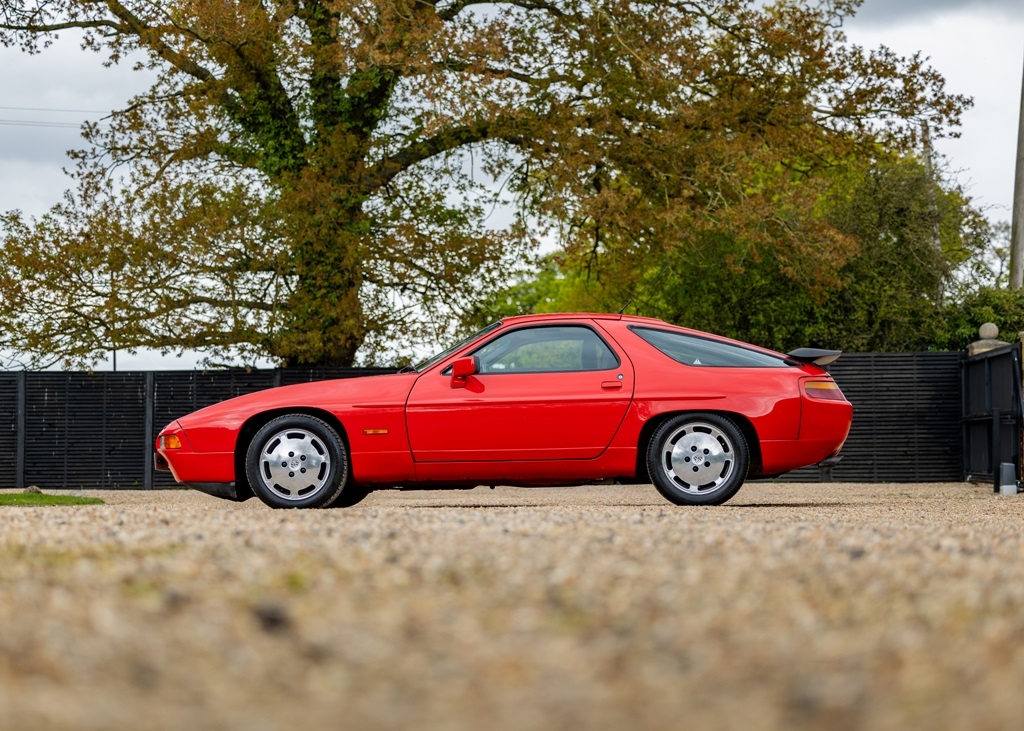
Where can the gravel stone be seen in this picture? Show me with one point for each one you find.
(838, 606)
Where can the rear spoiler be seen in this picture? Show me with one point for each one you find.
(817, 356)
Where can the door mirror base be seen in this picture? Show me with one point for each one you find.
(462, 369)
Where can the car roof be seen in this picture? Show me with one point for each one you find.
(581, 316)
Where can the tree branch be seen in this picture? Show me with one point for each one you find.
(458, 6)
(150, 39)
(387, 169)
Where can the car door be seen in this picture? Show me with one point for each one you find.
(540, 392)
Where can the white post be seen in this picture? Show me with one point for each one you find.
(1017, 231)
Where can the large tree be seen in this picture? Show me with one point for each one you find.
(308, 178)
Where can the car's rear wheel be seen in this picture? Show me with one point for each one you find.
(698, 459)
(297, 461)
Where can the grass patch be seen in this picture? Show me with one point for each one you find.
(19, 498)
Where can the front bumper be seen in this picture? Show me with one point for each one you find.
(189, 466)
(226, 490)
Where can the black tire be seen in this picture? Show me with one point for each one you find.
(682, 478)
(297, 461)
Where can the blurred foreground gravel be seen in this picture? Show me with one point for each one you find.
(792, 607)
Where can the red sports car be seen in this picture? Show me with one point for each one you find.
(532, 400)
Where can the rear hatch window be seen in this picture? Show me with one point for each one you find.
(693, 350)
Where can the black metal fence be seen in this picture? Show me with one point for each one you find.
(906, 419)
(96, 430)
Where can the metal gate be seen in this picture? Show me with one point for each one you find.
(991, 388)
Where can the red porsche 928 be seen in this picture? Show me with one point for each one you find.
(533, 400)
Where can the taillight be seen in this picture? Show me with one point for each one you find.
(823, 390)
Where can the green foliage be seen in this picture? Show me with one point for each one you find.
(547, 289)
(961, 320)
(913, 234)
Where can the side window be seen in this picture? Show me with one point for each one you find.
(697, 351)
(546, 350)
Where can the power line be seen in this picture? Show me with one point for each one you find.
(44, 124)
(46, 109)
(31, 123)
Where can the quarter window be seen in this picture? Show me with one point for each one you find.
(546, 350)
(697, 351)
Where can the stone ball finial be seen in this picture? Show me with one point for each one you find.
(988, 331)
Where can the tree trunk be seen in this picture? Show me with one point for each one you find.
(325, 320)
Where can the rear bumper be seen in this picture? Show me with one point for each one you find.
(824, 427)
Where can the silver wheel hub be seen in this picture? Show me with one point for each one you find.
(295, 464)
(698, 458)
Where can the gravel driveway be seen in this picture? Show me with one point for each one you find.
(792, 607)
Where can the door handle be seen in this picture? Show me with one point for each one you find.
(611, 385)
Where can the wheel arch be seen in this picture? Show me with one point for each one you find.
(742, 423)
(256, 422)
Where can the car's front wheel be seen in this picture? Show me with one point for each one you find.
(698, 459)
(297, 461)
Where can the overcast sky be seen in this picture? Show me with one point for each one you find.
(911, 11)
(977, 44)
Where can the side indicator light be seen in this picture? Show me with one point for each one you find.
(372, 432)
(825, 390)
(170, 441)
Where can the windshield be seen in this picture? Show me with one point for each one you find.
(430, 362)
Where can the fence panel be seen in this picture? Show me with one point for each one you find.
(84, 430)
(288, 376)
(9, 456)
(906, 419)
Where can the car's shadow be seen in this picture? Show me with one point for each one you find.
(475, 506)
(786, 505)
(479, 506)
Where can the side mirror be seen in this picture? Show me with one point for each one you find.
(462, 369)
